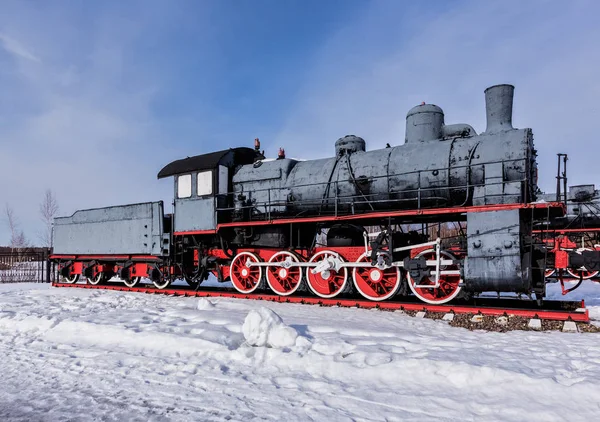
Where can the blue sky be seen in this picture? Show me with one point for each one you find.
(95, 97)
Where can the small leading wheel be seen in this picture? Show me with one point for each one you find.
(132, 281)
(97, 279)
(449, 284)
(549, 272)
(244, 278)
(582, 272)
(284, 280)
(72, 279)
(330, 283)
(374, 283)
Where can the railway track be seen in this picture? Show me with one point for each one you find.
(479, 313)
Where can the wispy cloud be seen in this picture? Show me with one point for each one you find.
(15, 48)
(87, 117)
(368, 75)
(97, 108)
(78, 122)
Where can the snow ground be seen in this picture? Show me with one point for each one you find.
(75, 354)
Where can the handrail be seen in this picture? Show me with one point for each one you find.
(358, 200)
(420, 194)
(387, 176)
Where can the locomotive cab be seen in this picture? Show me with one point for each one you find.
(202, 184)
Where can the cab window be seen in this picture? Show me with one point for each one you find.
(184, 186)
(205, 183)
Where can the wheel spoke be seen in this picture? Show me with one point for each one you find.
(244, 278)
(449, 285)
(374, 283)
(582, 272)
(329, 283)
(284, 281)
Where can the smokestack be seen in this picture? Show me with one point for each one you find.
(498, 107)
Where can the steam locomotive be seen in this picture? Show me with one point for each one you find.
(290, 225)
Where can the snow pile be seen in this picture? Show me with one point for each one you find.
(103, 349)
(204, 304)
(263, 327)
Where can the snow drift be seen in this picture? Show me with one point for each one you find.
(75, 354)
(263, 327)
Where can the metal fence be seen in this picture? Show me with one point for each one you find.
(24, 266)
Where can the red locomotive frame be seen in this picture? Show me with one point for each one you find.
(246, 274)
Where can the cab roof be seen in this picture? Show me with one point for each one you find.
(227, 157)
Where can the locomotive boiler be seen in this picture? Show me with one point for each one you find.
(437, 166)
(257, 222)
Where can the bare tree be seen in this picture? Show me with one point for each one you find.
(48, 210)
(17, 237)
(11, 220)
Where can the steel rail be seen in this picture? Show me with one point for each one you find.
(581, 314)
